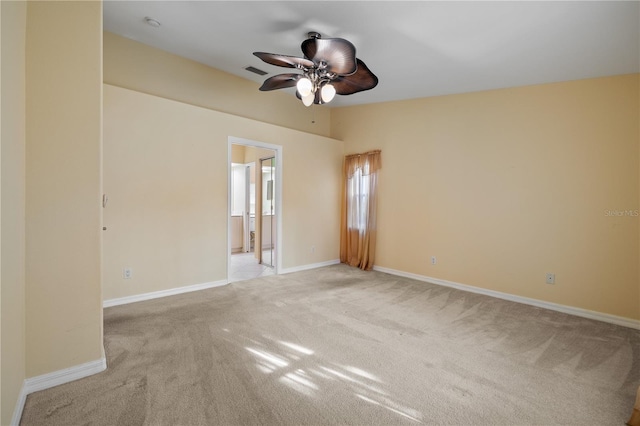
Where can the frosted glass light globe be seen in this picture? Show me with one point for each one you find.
(308, 100)
(304, 86)
(328, 92)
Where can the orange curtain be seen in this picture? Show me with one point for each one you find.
(359, 199)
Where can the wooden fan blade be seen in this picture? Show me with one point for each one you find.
(362, 79)
(338, 53)
(280, 81)
(284, 60)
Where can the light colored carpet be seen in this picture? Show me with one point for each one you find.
(337, 345)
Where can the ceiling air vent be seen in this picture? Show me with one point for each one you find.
(256, 70)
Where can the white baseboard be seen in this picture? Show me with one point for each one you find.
(161, 293)
(67, 375)
(17, 412)
(179, 290)
(309, 266)
(585, 313)
(55, 378)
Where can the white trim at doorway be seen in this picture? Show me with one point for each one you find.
(232, 140)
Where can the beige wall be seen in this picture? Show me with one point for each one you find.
(12, 154)
(504, 186)
(165, 172)
(237, 154)
(63, 185)
(133, 65)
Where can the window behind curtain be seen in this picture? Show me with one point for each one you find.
(358, 193)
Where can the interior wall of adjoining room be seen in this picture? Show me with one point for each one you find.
(505, 186)
(253, 155)
(239, 212)
(13, 19)
(241, 190)
(166, 176)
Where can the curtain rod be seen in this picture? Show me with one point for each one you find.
(375, 151)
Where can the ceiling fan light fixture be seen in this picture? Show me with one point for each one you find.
(329, 68)
(304, 86)
(327, 92)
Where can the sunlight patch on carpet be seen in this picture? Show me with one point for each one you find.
(394, 410)
(278, 362)
(298, 348)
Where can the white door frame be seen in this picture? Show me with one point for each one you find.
(232, 140)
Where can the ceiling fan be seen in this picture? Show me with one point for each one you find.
(329, 67)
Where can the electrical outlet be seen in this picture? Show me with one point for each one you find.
(313, 249)
(551, 278)
(127, 273)
(433, 260)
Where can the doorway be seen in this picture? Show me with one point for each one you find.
(254, 213)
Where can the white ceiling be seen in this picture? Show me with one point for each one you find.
(416, 48)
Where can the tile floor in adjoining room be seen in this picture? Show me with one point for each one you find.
(245, 266)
